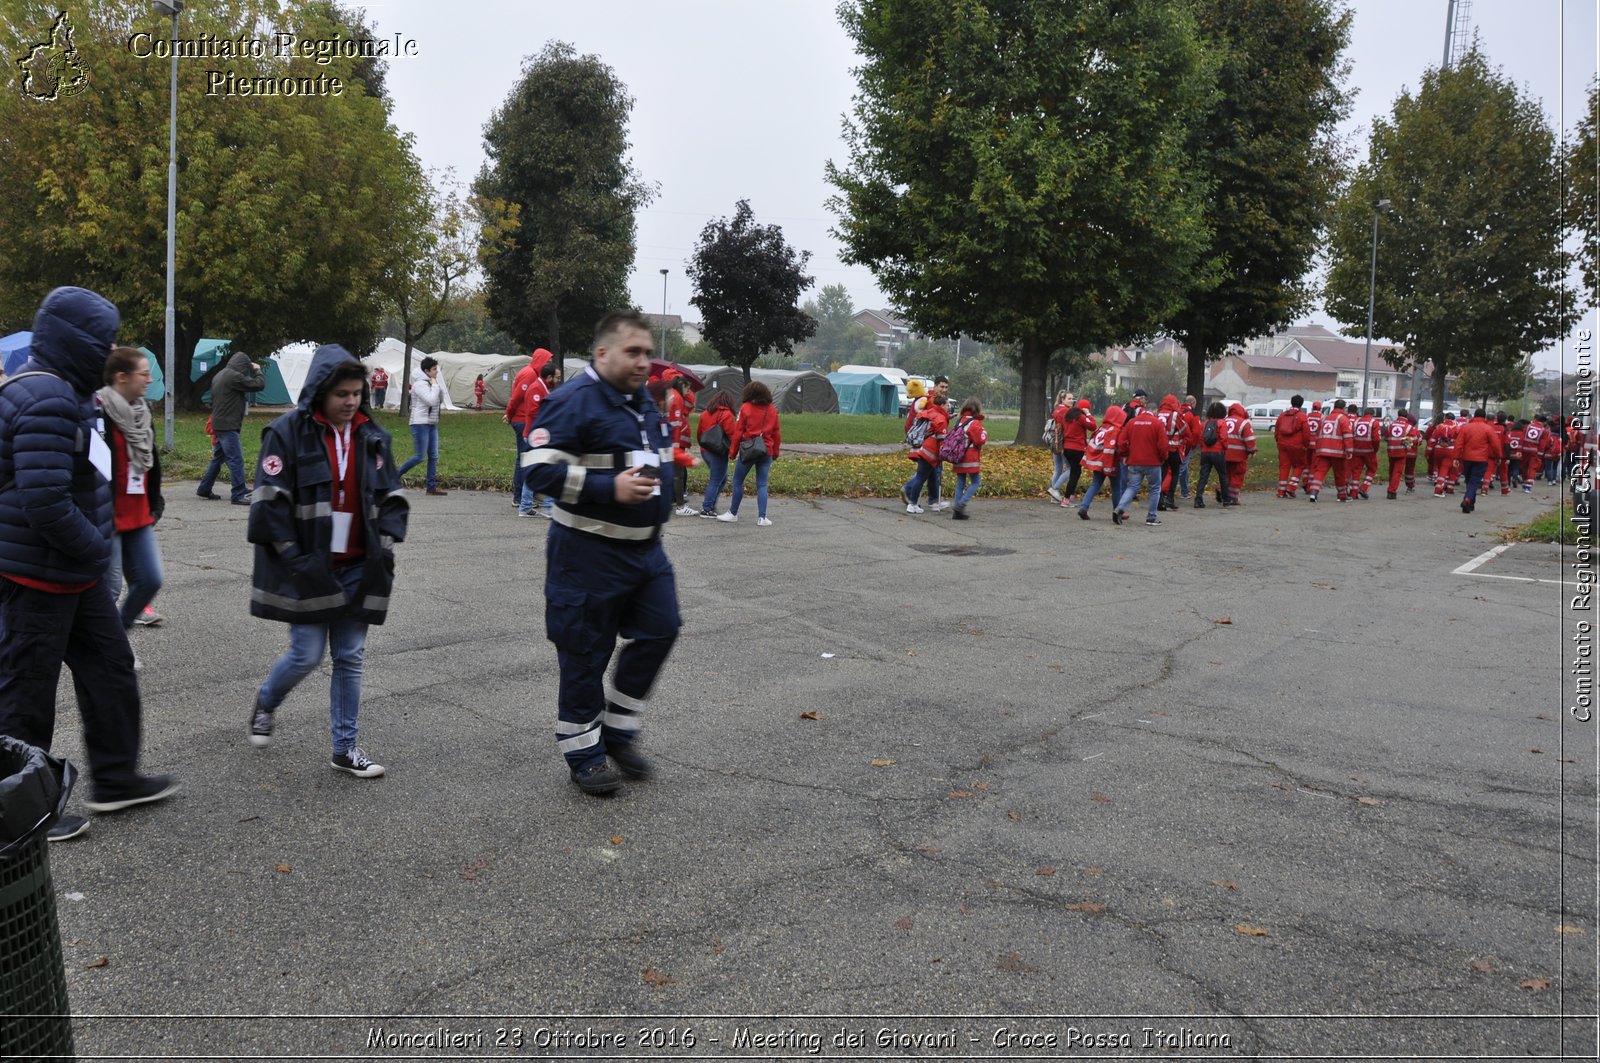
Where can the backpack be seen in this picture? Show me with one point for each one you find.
(954, 446)
(917, 432)
(1052, 435)
(1210, 435)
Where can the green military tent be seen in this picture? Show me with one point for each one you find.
(866, 393)
(208, 352)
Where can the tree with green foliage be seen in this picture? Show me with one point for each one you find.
(1267, 147)
(1471, 274)
(924, 357)
(747, 284)
(1479, 384)
(1583, 194)
(1018, 169)
(424, 284)
(557, 198)
(839, 339)
(290, 208)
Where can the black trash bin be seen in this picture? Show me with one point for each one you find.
(35, 1018)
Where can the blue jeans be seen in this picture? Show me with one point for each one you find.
(425, 441)
(1142, 474)
(347, 644)
(226, 449)
(718, 469)
(1183, 473)
(741, 469)
(139, 555)
(966, 487)
(1096, 481)
(1072, 462)
(925, 474)
(519, 475)
(1060, 458)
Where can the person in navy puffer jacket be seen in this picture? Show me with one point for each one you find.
(55, 540)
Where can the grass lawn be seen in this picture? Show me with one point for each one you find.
(476, 453)
(1555, 526)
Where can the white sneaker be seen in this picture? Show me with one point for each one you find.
(912, 507)
(1053, 493)
(763, 522)
(138, 665)
(728, 518)
(938, 506)
(686, 511)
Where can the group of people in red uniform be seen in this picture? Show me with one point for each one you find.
(1338, 442)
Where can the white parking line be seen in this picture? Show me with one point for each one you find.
(1489, 555)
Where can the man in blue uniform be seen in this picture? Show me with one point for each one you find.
(599, 449)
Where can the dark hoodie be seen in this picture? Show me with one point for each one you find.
(227, 392)
(55, 507)
(291, 518)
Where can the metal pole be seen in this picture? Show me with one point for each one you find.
(1449, 30)
(1372, 298)
(170, 404)
(1416, 363)
(663, 351)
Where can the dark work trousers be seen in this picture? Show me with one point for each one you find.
(39, 632)
(1213, 461)
(595, 591)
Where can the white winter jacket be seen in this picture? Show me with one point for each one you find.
(426, 399)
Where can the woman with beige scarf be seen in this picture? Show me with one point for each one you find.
(135, 481)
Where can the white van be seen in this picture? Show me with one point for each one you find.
(1265, 414)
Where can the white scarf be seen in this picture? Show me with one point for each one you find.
(133, 421)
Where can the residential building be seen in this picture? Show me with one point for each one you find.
(891, 331)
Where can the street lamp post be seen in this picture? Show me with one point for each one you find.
(171, 7)
(1372, 298)
(663, 352)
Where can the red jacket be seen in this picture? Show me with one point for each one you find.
(130, 511)
(1143, 440)
(1240, 441)
(1364, 434)
(1478, 441)
(1336, 437)
(1402, 436)
(517, 404)
(717, 415)
(1101, 454)
(756, 420)
(1290, 429)
(1075, 434)
(977, 436)
(1171, 418)
(940, 418)
(678, 417)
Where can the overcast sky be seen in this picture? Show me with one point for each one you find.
(744, 99)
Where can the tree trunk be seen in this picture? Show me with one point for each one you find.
(553, 323)
(405, 376)
(1035, 363)
(1439, 372)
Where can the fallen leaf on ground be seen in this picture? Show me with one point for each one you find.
(1538, 985)
(1369, 801)
(1087, 907)
(1012, 962)
(284, 869)
(656, 978)
(979, 785)
(1158, 712)
(813, 715)
(1223, 620)
(1248, 930)
(903, 923)
(1013, 817)
(960, 793)
(1098, 796)
(1563, 928)
(1566, 760)
(1535, 751)
(1225, 883)
(1094, 871)
(616, 839)
(1482, 966)
(716, 946)
(928, 849)
(101, 962)
(1045, 871)
(882, 762)
(911, 653)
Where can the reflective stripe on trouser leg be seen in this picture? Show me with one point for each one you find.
(580, 701)
(649, 624)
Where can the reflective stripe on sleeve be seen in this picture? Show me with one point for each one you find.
(572, 488)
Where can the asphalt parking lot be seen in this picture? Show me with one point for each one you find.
(1269, 781)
